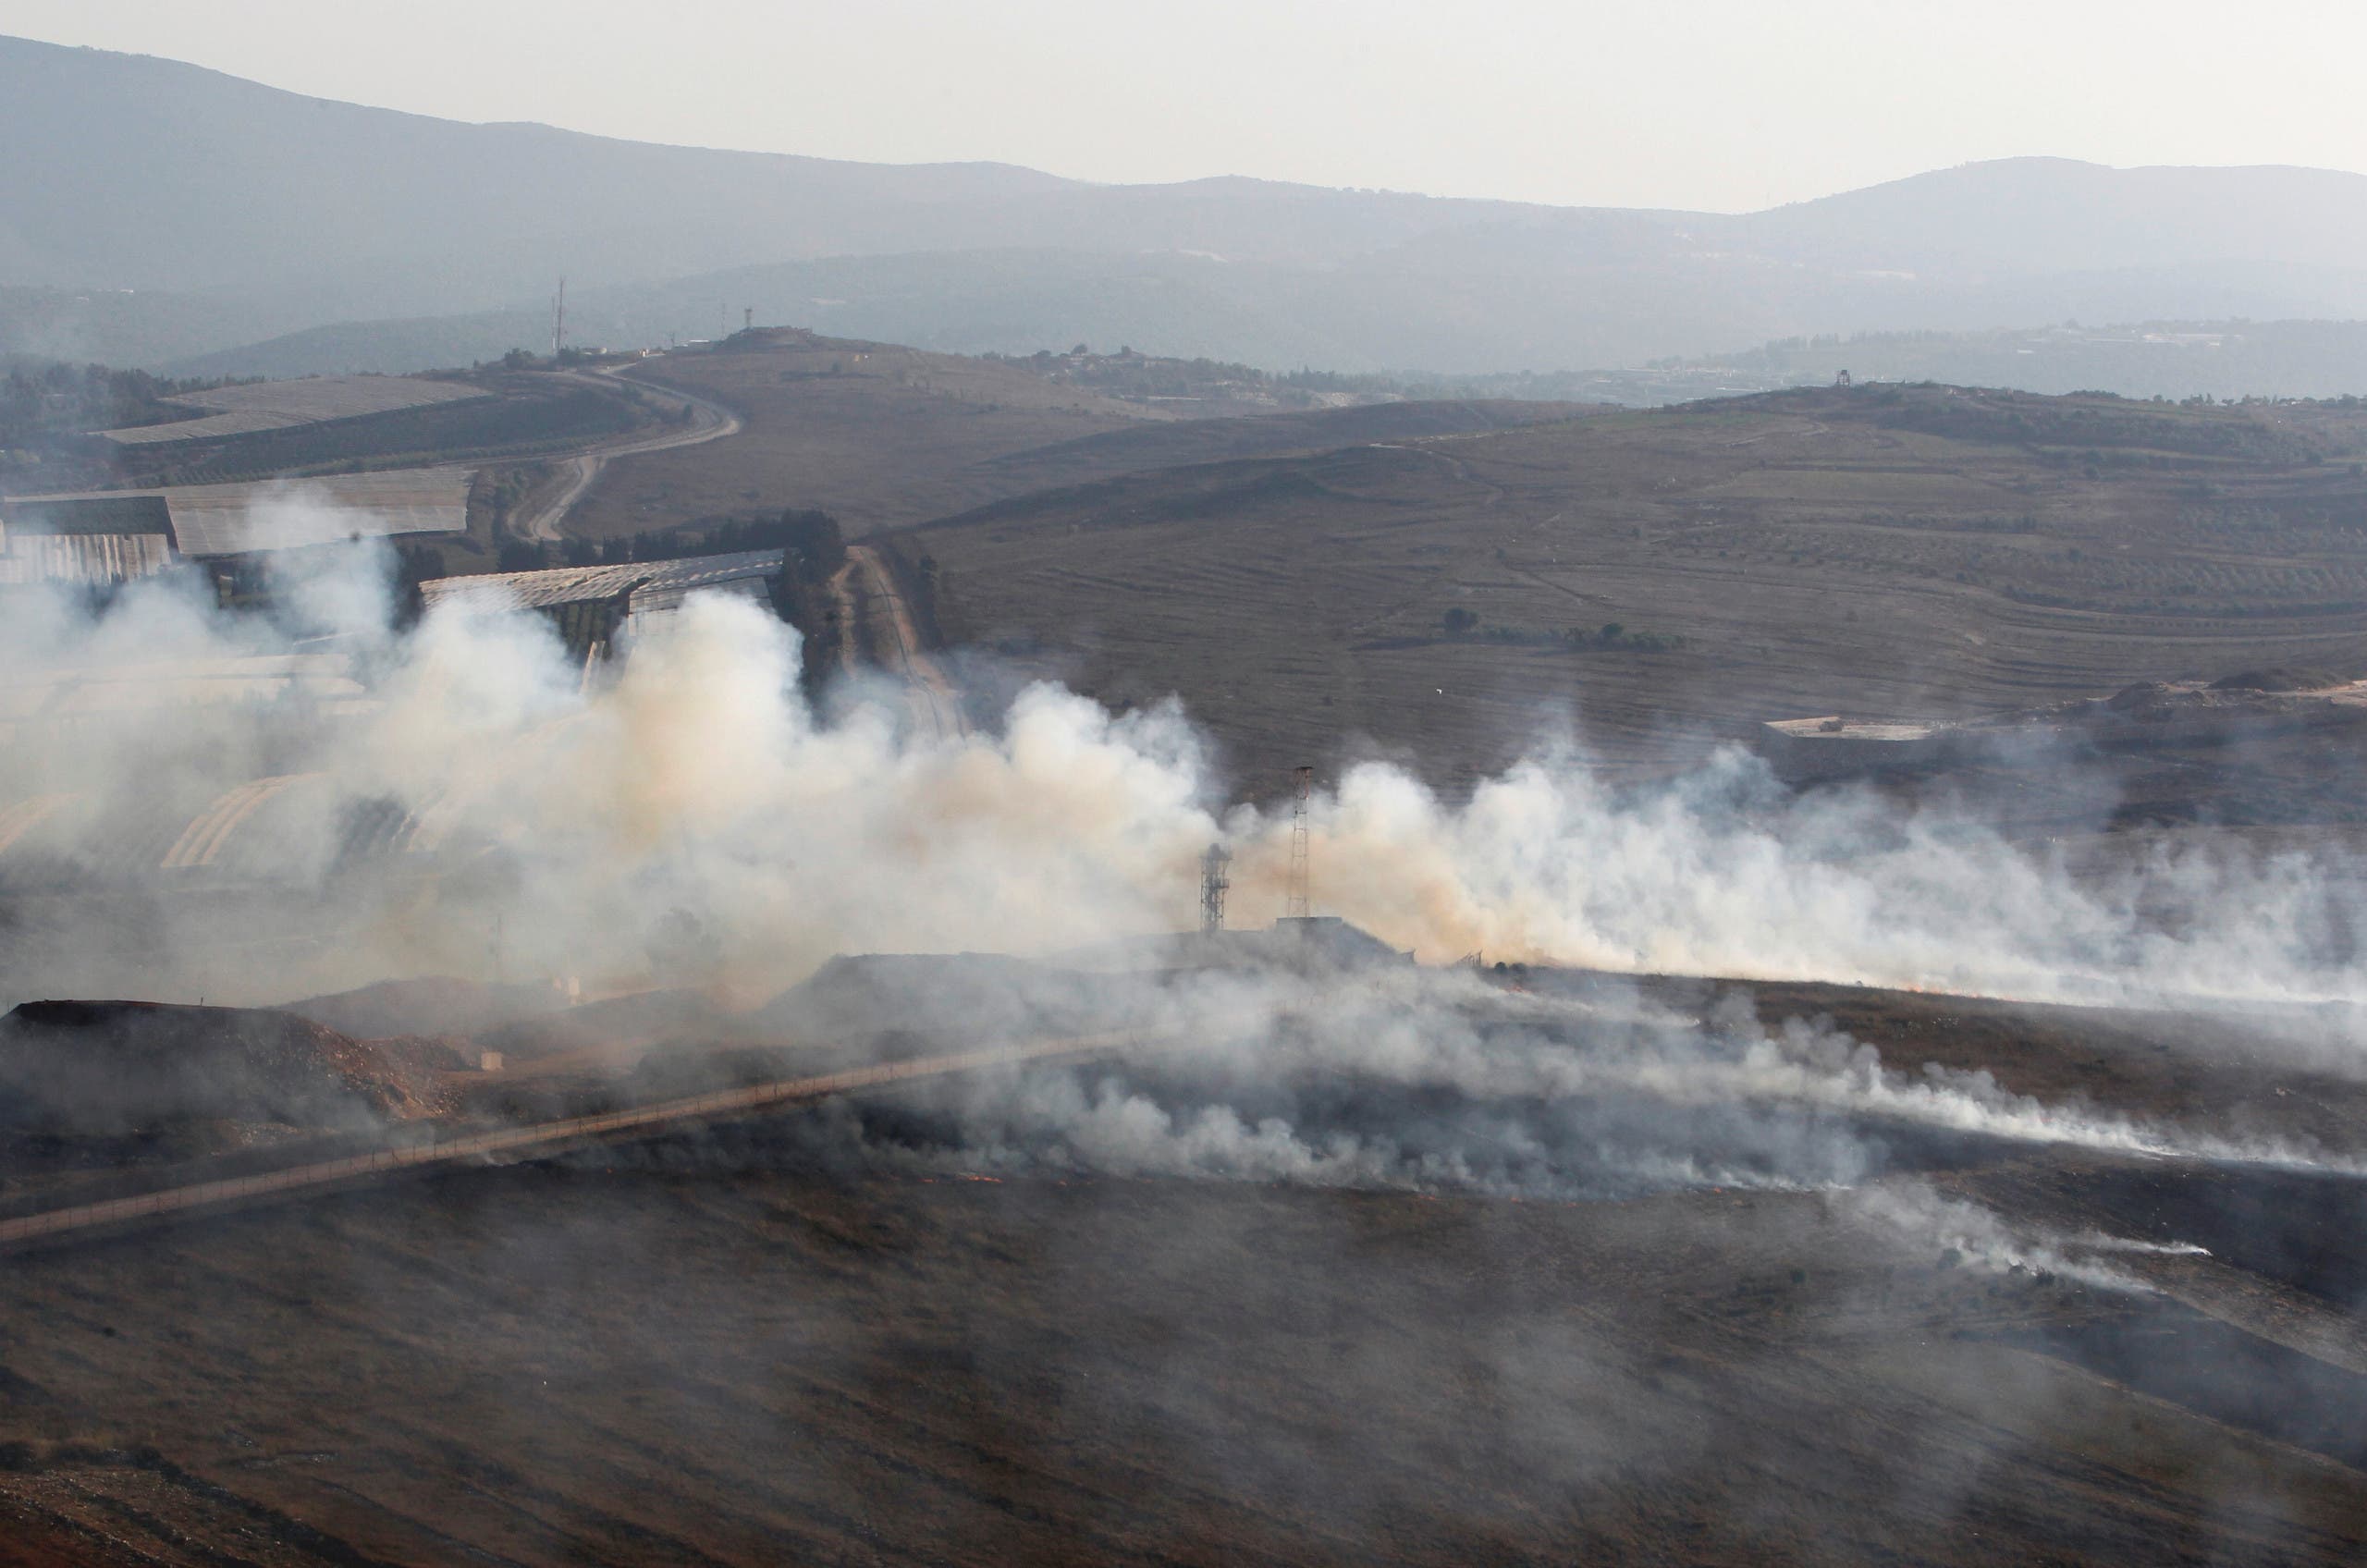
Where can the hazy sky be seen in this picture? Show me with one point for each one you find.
(1713, 103)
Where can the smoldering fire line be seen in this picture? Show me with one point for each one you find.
(1427, 1081)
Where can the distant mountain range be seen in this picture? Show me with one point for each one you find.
(263, 231)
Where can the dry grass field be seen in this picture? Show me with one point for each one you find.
(873, 434)
(880, 435)
(1880, 551)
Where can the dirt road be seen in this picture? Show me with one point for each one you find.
(869, 599)
(518, 1143)
(542, 518)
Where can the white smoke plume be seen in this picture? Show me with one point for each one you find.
(1980, 1238)
(688, 818)
(693, 820)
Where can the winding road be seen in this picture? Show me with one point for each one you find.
(710, 421)
(871, 606)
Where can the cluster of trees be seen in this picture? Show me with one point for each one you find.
(1129, 374)
(41, 400)
(500, 490)
(813, 550)
(2094, 433)
(1611, 635)
(812, 539)
(526, 358)
(1459, 622)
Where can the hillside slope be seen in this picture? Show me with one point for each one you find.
(267, 213)
(882, 437)
(1879, 552)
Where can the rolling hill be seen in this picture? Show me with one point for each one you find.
(1661, 582)
(882, 435)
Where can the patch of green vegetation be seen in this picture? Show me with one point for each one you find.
(814, 538)
(45, 405)
(2089, 431)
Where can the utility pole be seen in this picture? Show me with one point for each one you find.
(1302, 785)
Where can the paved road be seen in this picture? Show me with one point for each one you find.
(709, 422)
(518, 1143)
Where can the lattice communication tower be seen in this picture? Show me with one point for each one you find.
(1302, 785)
(1215, 867)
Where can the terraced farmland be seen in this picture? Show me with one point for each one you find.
(276, 405)
(545, 416)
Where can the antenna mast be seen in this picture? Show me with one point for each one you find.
(1302, 785)
(1213, 883)
(559, 321)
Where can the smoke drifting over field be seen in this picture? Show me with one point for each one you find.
(1421, 1081)
(465, 802)
(690, 820)
(693, 821)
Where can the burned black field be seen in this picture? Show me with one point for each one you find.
(861, 1332)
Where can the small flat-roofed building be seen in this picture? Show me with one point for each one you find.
(1831, 747)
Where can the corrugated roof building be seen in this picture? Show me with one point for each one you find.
(272, 514)
(599, 608)
(99, 541)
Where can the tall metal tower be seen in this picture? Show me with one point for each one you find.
(559, 321)
(1302, 785)
(1214, 880)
